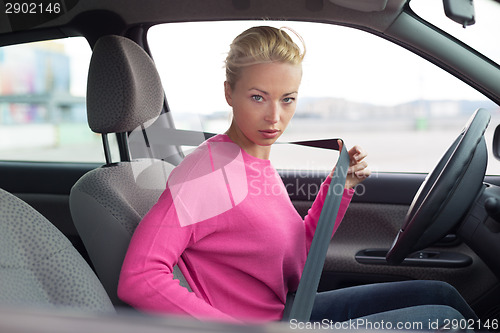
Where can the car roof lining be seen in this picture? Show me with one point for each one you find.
(153, 12)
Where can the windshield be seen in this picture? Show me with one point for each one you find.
(481, 36)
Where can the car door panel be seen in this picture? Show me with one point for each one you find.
(41, 177)
(46, 187)
(371, 222)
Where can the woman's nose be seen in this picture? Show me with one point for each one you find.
(273, 113)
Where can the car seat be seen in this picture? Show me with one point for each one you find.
(124, 92)
(39, 267)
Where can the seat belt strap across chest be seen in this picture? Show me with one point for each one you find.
(300, 307)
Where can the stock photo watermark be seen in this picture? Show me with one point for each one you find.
(382, 325)
(261, 183)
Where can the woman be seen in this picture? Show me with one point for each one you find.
(225, 217)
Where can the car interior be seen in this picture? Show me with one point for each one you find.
(65, 225)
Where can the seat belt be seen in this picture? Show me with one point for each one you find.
(302, 303)
(299, 305)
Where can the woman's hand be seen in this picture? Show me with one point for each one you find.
(358, 168)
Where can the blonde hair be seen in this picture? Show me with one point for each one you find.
(259, 45)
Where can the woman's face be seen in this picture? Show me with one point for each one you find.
(263, 100)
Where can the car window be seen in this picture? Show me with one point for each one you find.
(403, 110)
(42, 103)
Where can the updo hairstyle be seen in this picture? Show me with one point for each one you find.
(259, 45)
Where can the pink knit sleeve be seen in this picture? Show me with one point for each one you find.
(311, 220)
(146, 280)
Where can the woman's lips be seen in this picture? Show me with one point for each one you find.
(269, 134)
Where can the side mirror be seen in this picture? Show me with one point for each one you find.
(460, 11)
(496, 143)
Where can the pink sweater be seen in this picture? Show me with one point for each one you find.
(227, 221)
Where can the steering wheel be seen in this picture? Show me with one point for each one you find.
(447, 193)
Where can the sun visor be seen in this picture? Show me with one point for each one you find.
(362, 5)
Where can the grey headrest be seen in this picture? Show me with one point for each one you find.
(124, 88)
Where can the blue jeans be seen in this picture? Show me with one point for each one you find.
(394, 302)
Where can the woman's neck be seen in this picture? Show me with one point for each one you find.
(247, 145)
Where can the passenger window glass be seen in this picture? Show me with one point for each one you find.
(42, 103)
(402, 109)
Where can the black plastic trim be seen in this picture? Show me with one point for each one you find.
(42, 177)
(424, 258)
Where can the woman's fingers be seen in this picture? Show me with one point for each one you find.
(356, 154)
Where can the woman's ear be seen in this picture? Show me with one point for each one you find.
(228, 93)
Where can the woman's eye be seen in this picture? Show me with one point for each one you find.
(257, 98)
(288, 100)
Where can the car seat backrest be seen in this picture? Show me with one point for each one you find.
(39, 266)
(124, 93)
(107, 204)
